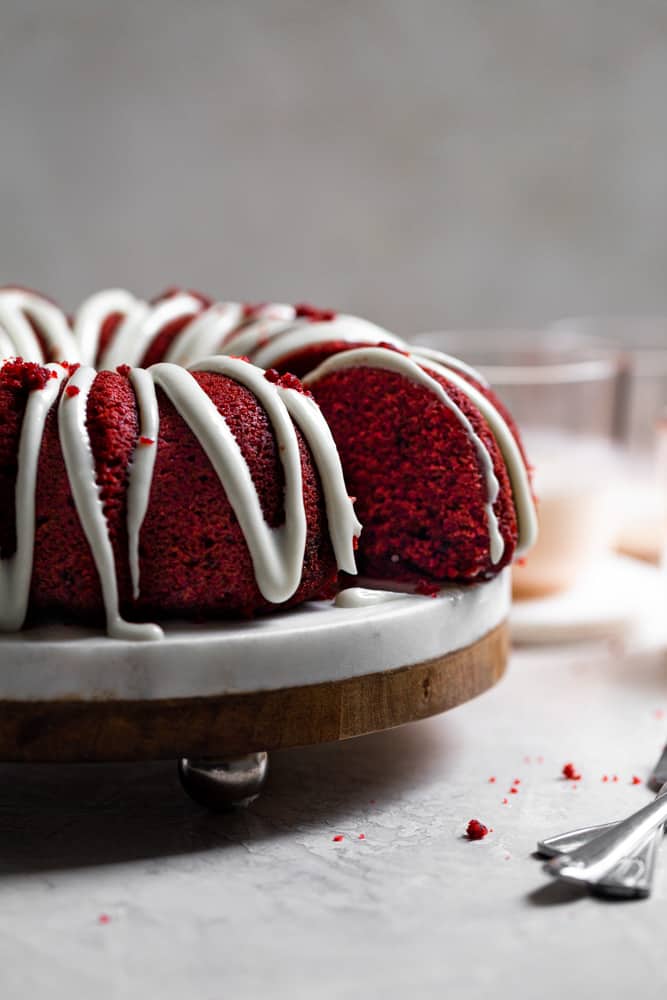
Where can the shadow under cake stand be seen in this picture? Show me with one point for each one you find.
(217, 697)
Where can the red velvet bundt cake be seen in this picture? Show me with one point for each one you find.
(162, 492)
(132, 488)
(433, 461)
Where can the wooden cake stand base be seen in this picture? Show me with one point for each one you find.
(220, 730)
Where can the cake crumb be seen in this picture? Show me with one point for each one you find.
(570, 773)
(476, 830)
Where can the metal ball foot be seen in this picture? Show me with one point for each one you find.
(222, 785)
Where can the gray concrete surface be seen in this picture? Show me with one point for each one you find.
(115, 886)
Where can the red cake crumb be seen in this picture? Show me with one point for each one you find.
(505, 802)
(427, 589)
(250, 310)
(514, 790)
(362, 836)
(517, 781)
(635, 780)
(615, 778)
(476, 830)
(305, 311)
(659, 713)
(69, 368)
(72, 390)
(104, 918)
(146, 440)
(24, 375)
(492, 780)
(337, 839)
(605, 777)
(570, 772)
(123, 370)
(285, 381)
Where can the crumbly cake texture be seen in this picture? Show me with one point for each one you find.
(425, 519)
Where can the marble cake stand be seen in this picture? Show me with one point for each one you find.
(218, 697)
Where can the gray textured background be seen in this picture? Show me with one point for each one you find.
(427, 163)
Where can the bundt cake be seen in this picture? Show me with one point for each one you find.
(132, 488)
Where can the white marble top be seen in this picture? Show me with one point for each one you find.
(315, 642)
(267, 904)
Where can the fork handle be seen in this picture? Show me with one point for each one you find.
(633, 876)
(565, 843)
(594, 860)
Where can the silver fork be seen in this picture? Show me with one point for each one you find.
(614, 859)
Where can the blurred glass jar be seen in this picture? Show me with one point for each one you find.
(565, 394)
(640, 498)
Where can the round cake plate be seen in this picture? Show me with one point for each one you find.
(217, 697)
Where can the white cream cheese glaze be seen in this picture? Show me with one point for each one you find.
(134, 336)
(91, 314)
(16, 570)
(80, 465)
(448, 361)
(204, 335)
(305, 333)
(367, 597)
(19, 309)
